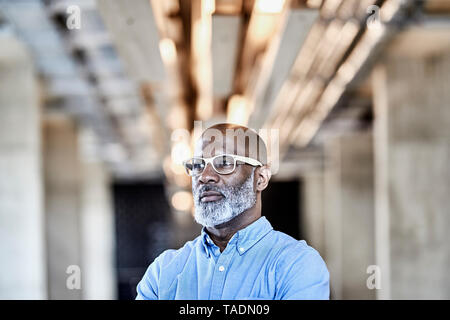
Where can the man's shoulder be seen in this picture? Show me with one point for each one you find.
(292, 249)
(300, 271)
(289, 242)
(170, 255)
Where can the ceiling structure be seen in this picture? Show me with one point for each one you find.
(138, 73)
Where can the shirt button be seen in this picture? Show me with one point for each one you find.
(241, 249)
(221, 268)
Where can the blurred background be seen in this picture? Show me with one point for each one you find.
(98, 103)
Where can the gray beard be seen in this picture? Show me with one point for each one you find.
(236, 200)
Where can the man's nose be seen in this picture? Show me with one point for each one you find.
(209, 175)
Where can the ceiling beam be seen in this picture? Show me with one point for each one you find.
(311, 95)
(280, 61)
(225, 40)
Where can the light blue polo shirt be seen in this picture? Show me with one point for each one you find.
(258, 263)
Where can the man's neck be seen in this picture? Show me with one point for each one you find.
(222, 234)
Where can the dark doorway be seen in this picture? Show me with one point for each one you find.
(142, 231)
(281, 206)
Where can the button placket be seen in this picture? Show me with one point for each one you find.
(220, 272)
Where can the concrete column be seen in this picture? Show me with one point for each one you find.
(412, 145)
(312, 202)
(22, 267)
(62, 189)
(349, 215)
(97, 233)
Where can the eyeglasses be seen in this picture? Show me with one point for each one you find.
(222, 164)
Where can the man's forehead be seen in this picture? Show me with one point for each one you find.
(231, 140)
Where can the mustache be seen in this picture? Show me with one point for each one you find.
(206, 187)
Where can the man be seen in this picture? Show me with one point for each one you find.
(238, 255)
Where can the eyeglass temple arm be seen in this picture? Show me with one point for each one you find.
(251, 161)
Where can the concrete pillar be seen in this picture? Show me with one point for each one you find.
(22, 267)
(349, 215)
(97, 233)
(62, 190)
(312, 202)
(412, 145)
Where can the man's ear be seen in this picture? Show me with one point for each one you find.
(262, 177)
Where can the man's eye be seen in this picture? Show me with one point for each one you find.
(226, 163)
(198, 166)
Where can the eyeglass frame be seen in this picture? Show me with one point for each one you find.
(247, 160)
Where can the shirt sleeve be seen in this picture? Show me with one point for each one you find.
(304, 277)
(147, 288)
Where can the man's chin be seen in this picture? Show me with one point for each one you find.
(212, 223)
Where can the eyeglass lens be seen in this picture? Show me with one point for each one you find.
(222, 164)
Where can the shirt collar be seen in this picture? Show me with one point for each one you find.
(245, 238)
(206, 241)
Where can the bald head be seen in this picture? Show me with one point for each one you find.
(231, 139)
